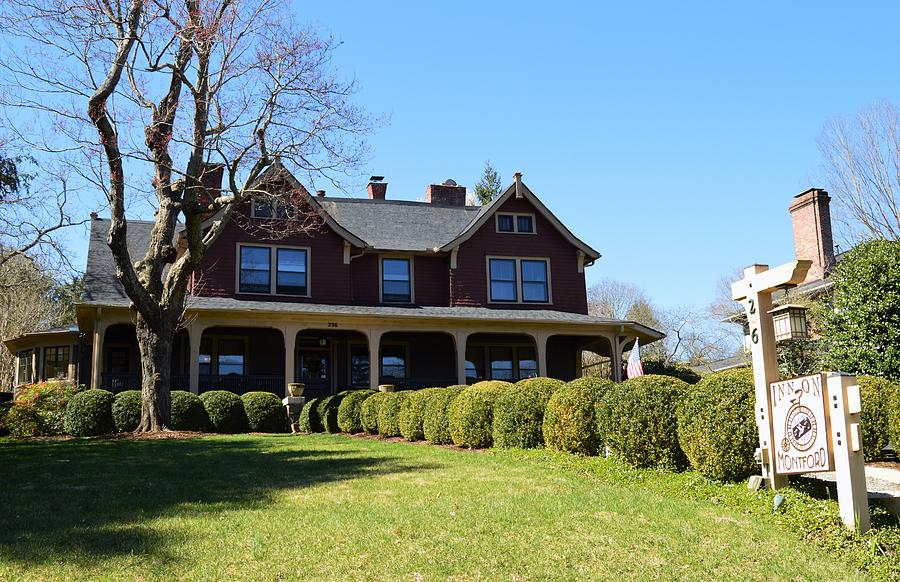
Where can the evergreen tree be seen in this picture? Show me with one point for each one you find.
(489, 186)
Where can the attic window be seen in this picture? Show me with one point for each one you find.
(268, 209)
(515, 223)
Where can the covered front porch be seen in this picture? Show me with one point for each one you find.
(242, 352)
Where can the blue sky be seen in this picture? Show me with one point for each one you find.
(669, 137)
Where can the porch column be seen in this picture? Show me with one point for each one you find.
(195, 335)
(461, 337)
(540, 341)
(618, 344)
(97, 355)
(374, 338)
(290, 344)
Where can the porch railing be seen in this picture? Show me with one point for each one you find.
(115, 382)
(418, 383)
(241, 384)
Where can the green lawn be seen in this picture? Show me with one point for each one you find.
(340, 508)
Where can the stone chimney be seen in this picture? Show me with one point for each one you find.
(811, 221)
(446, 194)
(377, 188)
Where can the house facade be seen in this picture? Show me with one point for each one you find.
(381, 291)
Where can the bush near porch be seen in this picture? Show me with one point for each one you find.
(264, 411)
(435, 424)
(471, 414)
(519, 413)
(350, 411)
(570, 421)
(389, 413)
(412, 413)
(226, 411)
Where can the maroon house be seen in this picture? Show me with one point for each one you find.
(384, 291)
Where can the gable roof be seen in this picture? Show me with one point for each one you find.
(489, 209)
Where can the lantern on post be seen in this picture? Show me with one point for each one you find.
(790, 322)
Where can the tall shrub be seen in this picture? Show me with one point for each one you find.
(436, 424)
(570, 418)
(639, 421)
(471, 415)
(40, 409)
(349, 412)
(519, 413)
(876, 395)
(716, 425)
(412, 413)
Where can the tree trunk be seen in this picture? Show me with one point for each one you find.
(155, 343)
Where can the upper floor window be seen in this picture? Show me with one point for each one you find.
(287, 274)
(56, 362)
(517, 223)
(396, 280)
(268, 209)
(515, 280)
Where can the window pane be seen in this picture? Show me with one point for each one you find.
(393, 362)
(524, 224)
(503, 291)
(395, 280)
(501, 363)
(254, 270)
(231, 357)
(527, 363)
(359, 366)
(291, 276)
(25, 373)
(503, 280)
(56, 362)
(505, 222)
(534, 281)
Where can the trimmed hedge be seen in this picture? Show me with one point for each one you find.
(412, 413)
(435, 423)
(265, 412)
(40, 409)
(717, 427)
(188, 412)
(328, 412)
(349, 412)
(471, 414)
(876, 395)
(519, 413)
(570, 418)
(309, 420)
(89, 413)
(225, 410)
(368, 413)
(389, 413)
(126, 410)
(639, 421)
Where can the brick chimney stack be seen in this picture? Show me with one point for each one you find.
(446, 194)
(377, 188)
(811, 221)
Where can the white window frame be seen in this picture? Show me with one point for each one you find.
(520, 299)
(412, 279)
(273, 269)
(515, 217)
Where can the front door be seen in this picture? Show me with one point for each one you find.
(314, 371)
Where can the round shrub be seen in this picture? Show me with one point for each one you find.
(389, 413)
(265, 412)
(876, 394)
(349, 417)
(225, 410)
(188, 412)
(412, 413)
(519, 413)
(471, 414)
(716, 425)
(570, 418)
(89, 413)
(309, 420)
(328, 412)
(639, 421)
(126, 410)
(435, 424)
(368, 412)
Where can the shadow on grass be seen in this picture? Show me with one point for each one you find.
(83, 500)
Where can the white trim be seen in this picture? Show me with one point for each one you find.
(273, 269)
(520, 299)
(515, 216)
(412, 278)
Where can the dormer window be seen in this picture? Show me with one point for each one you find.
(396, 280)
(515, 223)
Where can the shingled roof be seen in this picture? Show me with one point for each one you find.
(100, 283)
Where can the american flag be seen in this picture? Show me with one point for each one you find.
(635, 367)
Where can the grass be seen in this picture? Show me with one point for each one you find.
(334, 507)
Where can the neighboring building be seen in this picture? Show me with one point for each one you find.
(435, 292)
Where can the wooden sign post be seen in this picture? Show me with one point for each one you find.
(808, 424)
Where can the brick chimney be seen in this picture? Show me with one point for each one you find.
(446, 194)
(811, 221)
(377, 188)
(211, 179)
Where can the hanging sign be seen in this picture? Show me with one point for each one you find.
(800, 425)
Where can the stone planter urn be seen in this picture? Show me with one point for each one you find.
(295, 389)
(385, 387)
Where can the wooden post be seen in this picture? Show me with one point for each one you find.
(754, 291)
(844, 405)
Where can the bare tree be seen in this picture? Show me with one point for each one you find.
(862, 170)
(175, 93)
(613, 299)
